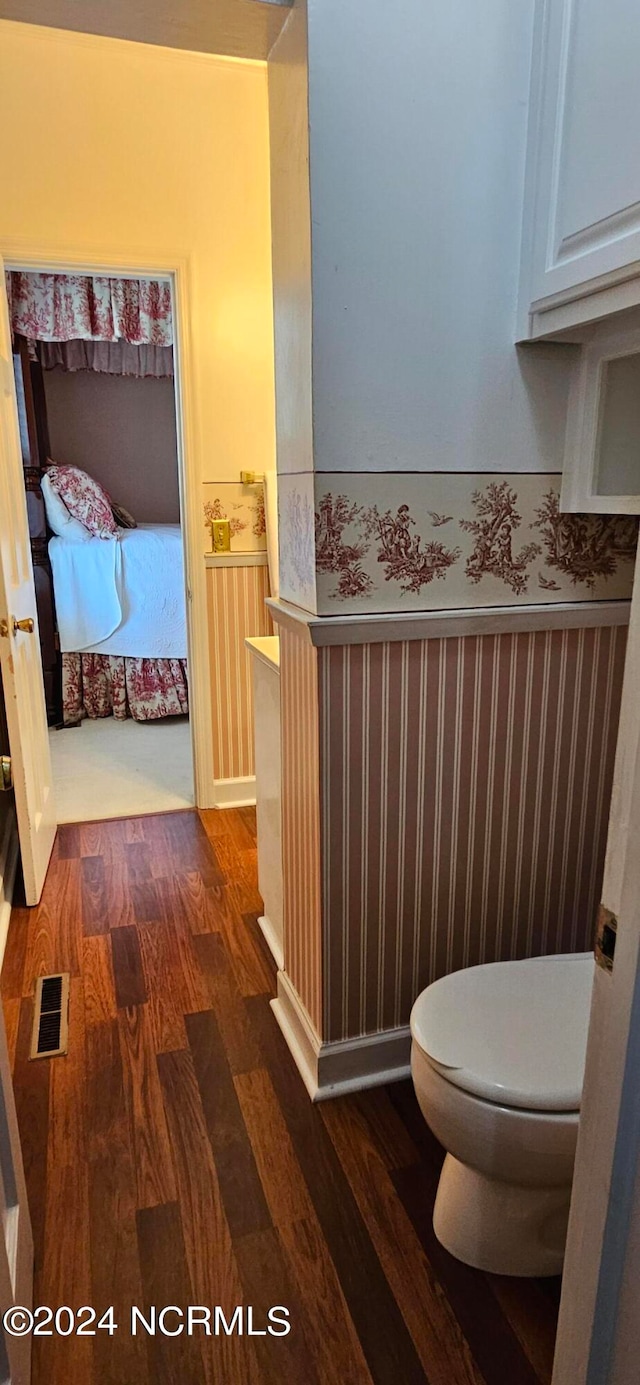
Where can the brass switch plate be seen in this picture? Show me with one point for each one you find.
(220, 536)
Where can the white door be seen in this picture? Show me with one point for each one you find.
(599, 1327)
(20, 661)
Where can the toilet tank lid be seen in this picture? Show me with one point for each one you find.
(511, 1032)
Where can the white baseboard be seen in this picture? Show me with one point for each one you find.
(235, 793)
(8, 863)
(272, 940)
(348, 1065)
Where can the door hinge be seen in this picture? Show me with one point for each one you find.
(606, 933)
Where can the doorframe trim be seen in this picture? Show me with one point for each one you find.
(8, 863)
(43, 257)
(599, 1259)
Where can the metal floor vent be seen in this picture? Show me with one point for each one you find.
(50, 1033)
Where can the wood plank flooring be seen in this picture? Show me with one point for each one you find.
(174, 1157)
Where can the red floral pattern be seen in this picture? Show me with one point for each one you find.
(213, 509)
(260, 522)
(68, 307)
(103, 685)
(85, 499)
(584, 547)
(333, 516)
(405, 558)
(506, 534)
(493, 530)
(403, 555)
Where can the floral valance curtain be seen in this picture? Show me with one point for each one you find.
(82, 307)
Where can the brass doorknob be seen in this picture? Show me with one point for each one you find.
(26, 625)
(6, 773)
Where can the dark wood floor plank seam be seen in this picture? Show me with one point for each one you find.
(441, 1345)
(492, 1340)
(241, 1051)
(165, 1280)
(242, 1193)
(128, 971)
(66, 1266)
(267, 1283)
(389, 1350)
(211, 1262)
(115, 1264)
(95, 918)
(148, 1134)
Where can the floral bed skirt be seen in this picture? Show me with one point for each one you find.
(103, 685)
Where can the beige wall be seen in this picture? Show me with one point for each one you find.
(123, 432)
(125, 147)
(127, 150)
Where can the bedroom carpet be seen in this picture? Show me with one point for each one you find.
(112, 769)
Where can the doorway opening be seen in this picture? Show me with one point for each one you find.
(98, 402)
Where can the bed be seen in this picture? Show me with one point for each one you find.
(120, 611)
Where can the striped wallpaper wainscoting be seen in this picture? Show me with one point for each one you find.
(465, 786)
(235, 604)
(301, 819)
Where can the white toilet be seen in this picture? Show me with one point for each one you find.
(497, 1060)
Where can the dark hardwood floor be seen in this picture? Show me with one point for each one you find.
(173, 1157)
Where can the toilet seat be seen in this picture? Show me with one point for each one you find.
(512, 1033)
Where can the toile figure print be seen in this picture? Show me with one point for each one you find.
(333, 554)
(493, 528)
(214, 509)
(404, 557)
(585, 547)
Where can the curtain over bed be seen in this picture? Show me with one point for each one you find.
(90, 322)
(84, 307)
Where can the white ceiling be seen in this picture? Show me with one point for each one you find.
(236, 28)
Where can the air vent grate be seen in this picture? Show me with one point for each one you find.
(50, 1034)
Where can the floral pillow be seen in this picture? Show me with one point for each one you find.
(63, 525)
(85, 499)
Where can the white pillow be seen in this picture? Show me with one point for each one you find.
(58, 517)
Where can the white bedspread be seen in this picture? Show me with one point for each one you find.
(122, 597)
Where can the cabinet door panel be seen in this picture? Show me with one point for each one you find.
(584, 159)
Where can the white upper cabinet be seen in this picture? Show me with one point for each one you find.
(581, 241)
(601, 471)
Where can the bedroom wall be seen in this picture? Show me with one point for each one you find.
(123, 432)
(149, 151)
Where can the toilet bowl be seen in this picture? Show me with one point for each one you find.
(497, 1060)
